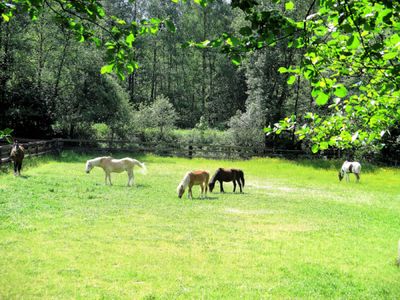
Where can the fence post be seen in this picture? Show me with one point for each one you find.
(190, 151)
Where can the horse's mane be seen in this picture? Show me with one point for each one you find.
(185, 181)
(215, 176)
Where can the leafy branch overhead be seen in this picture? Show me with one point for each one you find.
(351, 61)
(350, 56)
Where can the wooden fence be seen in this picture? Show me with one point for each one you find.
(189, 150)
(32, 148)
(109, 147)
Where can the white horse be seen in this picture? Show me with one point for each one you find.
(110, 164)
(194, 178)
(350, 167)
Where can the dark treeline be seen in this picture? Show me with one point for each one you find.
(50, 83)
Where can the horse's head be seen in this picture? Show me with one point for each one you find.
(15, 146)
(180, 190)
(340, 175)
(89, 166)
(211, 186)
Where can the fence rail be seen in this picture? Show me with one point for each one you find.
(32, 148)
(189, 150)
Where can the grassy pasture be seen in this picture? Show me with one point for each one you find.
(296, 232)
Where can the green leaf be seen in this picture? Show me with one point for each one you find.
(289, 5)
(324, 145)
(100, 11)
(267, 129)
(121, 75)
(341, 91)
(236, 60)
(291, 79)
(282, 70)
(5, 17)
(170, 26)
(130, 39)
(314, 148)
(107, 69)
(97, 41)
(390, 55)
(322, 98)
(353, 42)
(232, 41)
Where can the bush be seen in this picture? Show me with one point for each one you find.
(160, 117)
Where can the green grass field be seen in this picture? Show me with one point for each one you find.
(296, 232)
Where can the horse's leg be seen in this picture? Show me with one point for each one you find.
(130, 177)
(221, 187)
(106, 176)
(202, 190)
(240, 185)
(234, 185)
(206, 188)
(19, 167)
(15, 168)
(190, 196)
(358, 177)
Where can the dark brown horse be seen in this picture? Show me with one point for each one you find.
(17, 156)
(227, 175)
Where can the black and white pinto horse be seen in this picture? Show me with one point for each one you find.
(350, 167)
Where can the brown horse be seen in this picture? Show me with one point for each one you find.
(194, 178)
(17, 156)
(227, 175)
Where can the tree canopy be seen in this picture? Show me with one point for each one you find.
(348, 55)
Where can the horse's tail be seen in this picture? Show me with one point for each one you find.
(241, 174)
(141, 165)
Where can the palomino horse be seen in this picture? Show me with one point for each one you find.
(350, 167)
(17, 156)
(194, 178)
(110, 164)
(227, 175)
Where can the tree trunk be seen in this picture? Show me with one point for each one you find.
(154, 75)
(204, 69)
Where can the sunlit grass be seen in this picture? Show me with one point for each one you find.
(296, 232)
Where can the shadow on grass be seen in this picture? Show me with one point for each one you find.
(230, 193)
(124, 186)
(203, 199)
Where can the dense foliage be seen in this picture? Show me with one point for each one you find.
(330, 67)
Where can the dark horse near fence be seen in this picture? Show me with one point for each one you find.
(17, 156)
(227, 175)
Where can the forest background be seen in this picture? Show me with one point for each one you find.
(51, 84)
